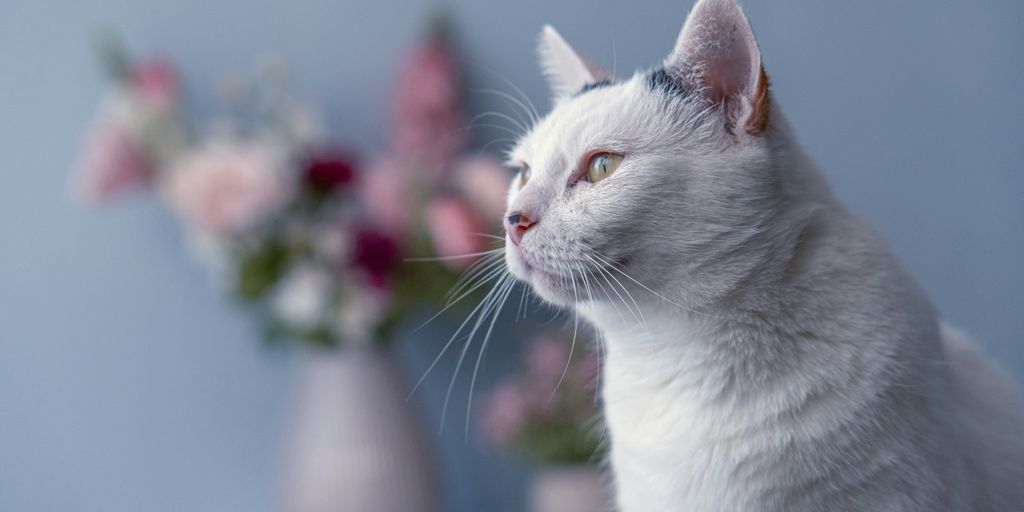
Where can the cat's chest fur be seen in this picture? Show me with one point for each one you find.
(673, 446)
(689, 433)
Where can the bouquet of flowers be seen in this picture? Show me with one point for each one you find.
(548, 413)
(312, 238)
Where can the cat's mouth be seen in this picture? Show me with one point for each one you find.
(573, 285)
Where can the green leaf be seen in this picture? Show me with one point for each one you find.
(261, 269)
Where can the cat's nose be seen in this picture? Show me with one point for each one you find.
(517, 224)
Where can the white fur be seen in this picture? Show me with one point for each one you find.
(766, 351)
(565, 70)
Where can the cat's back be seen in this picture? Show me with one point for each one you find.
(989, 416)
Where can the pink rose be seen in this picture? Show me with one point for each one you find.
(156, 83)
(547, 358)
(115, 160)
(227, 186)
(385, 195)
(485, 182)
(505, 414)
(455, 231)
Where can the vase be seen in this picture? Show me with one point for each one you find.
(569, 489)
(355, 445)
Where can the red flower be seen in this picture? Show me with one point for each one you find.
(377, 254)
(328, 172)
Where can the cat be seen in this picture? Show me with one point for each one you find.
(764, 349)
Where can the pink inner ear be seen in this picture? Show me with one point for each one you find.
(718, 45)
(728, 70)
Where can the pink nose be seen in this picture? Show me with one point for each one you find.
(517, 225)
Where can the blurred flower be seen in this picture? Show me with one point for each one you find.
(228, 186)
(321, 267)
(304, 125)
(428, 120)
(329, 171)
(547, 411)
(301, 298)
(547, 358)
(485, 182)
(377, 254)
(359, 313)
(454, 231)
(505, 414)
(385, 195)
(333, 242)
(115, 160)
(156, 83)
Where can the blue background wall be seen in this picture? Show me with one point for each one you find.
(128, 383)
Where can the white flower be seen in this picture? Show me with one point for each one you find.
(302, 297)
(228, 185)
(358, 314)
(304, 126)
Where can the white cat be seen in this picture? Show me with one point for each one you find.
(765, 351)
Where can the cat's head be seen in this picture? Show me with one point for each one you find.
(657, 181)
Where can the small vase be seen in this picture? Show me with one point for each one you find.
(355, 445)
(569, 489)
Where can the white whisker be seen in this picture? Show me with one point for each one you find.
(483, 347)
(638, 313)
(490, 300)
(575, 330)
(459, 256)
(448, 344)
(451, 303)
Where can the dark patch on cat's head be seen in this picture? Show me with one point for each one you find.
(593, 85)
(662, 82)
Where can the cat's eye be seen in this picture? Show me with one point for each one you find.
(524, 175)
(601, 166)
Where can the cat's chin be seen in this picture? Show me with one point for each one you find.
(551, 288)
(548, 286)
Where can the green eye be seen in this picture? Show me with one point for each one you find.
(602, 165)
(524, 175)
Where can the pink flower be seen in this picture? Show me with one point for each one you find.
(156, 83)
(505, 414)
(455, 231)
(547, 358)
(428, 121)
(228, 186)
(115, 160)
(485, 182)
(385, 195)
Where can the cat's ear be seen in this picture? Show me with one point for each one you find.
(717, 54)
(565, 70)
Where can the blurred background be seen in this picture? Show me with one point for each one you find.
(128, 382)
